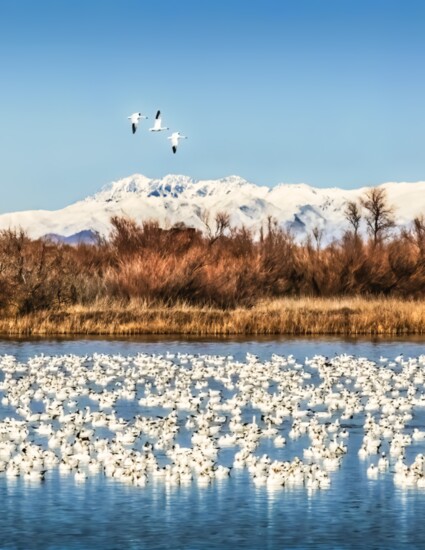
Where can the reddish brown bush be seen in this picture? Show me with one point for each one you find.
(227, 267)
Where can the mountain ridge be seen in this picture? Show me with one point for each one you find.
(176, 198)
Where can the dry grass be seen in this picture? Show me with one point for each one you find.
(344, 316)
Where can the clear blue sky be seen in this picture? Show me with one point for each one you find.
(326, 92)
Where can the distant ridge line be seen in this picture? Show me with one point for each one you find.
(181, 199)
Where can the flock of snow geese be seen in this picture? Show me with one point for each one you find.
(183, 418)
(157, 127)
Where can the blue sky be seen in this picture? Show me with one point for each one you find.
(326, 92)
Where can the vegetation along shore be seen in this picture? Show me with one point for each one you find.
(144, 279)
(292, 316)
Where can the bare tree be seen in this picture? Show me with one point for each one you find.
(379, 214)
(416, 234)
(221, 223)
(352, 215)
(419, 232)
(317, 233)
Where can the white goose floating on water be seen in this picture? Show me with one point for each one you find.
(175, 137)
(157, 124)
(294, 400)
(134, 119)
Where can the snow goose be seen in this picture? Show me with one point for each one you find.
(372, 472)
(157, 124)
(175, 136)
(134, 119)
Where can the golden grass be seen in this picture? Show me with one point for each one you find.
(344, 316)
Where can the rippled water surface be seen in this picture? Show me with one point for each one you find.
(263, 347)
(355, 512)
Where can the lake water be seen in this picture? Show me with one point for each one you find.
(262, 346)
(355, 512)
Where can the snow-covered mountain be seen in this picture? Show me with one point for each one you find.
(177, 198)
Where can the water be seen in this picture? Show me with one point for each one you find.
(238, 347)
(61, 514)
(355, 512)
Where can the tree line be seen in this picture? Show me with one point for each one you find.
(223, 266)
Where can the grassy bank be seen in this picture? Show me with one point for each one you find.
(348, 316)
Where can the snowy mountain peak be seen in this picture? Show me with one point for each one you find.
(116, 189)
(178, 198)
(170, 186)
(234, 180)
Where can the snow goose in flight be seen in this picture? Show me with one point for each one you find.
(175, 136)
(134, 119)
(157, 124)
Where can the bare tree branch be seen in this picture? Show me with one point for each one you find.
(379, 214)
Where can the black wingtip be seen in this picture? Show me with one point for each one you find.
(174, 149)
(133, 127)
(158, 114)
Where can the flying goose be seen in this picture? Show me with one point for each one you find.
(175, 136)
(157, 124)
(134, 119)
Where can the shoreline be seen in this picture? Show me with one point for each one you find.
(286, 316)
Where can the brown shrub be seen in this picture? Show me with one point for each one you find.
(228, 268)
